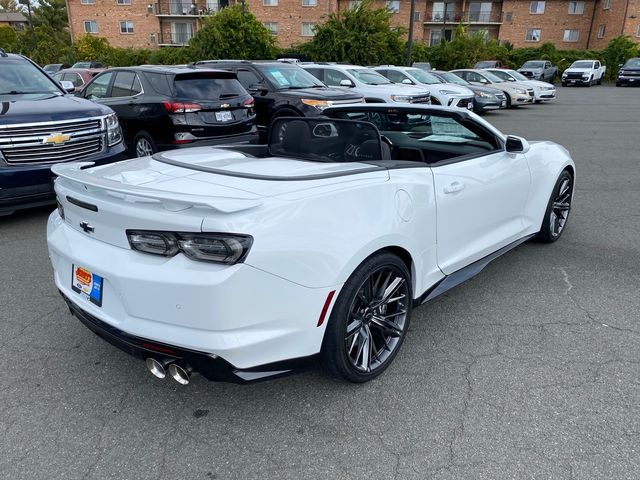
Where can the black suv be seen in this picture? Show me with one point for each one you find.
(629, 73)
(41, 125)
(161, 108)
(282, 89)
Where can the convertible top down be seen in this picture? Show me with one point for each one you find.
(247, 262)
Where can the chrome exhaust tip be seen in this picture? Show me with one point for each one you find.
(180, 374)
(156, 368)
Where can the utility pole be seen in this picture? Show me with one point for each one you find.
(410, 39)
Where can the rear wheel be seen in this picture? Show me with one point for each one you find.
(144, 145)
(369, 320)
(600, 81)
(557, 213)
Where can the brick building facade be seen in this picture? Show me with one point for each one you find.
(568, 24)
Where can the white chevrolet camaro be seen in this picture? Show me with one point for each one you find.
(248, 262)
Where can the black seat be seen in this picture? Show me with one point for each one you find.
(296, 138)
(370, 150)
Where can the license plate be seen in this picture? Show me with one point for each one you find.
(503, 103)
(224, 116)
(632, 79)
(87, 284)
(470, 106)
(573, 81)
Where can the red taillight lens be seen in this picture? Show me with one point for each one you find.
(248, 103)
(181, 107)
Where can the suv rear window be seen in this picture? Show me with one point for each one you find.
(208, 88)
(19, 77)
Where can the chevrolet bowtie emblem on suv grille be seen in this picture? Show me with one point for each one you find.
(56, 139)
(86, 227)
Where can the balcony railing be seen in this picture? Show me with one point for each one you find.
(468, 17)
(188, 8)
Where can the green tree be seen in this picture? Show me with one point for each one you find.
(52, 13)
(616, 52)
(8, 38)
(9, 6)
(230, 34)
(362, 35)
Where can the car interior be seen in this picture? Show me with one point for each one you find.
(365, 135)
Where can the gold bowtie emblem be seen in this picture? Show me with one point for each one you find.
(56, 139)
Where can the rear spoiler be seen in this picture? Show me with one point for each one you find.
(74, 172)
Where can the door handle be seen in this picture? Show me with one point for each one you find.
(454, 187)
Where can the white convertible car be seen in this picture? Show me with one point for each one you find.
(251, 261)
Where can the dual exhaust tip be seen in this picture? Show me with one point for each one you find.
(159, 369)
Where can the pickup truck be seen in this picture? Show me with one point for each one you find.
(41, 125)
(629, 73)
(539, 70)
(584, 72)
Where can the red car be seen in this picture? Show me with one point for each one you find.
(78, 76)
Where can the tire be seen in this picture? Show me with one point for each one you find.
(558, 209)
(600, 81)
(508, 100)
(377, 328)
(143, 145)
(590, 82)
(564, 84)
(618, 84)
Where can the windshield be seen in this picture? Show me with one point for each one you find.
(632, 63)
(452, 78)
(286, 76)
(493, 78)
(517, 75)
(368, 76)
(422, 76)
(485, 64)
(581, 65)
(532, 64)
(19, 77)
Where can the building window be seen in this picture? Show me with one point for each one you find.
(393, 6)
(570, 36)
(126, 26)
(416, 16)
(509, 17)
(606, 5)
(309, 3)
(181, 32)
(272, 27)
(601, 29)
(435, 37)
(87, 2)
(354, 4)
(576, 8)
(123, 2)
(536, 7)
(638, 31)
(270, 3)
(307, 29)
(90, 26)
(480, 11)
(533, 35)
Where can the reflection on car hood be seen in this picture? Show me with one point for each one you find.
(321, 94)
(47, 108)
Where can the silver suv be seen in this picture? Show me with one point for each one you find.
(374, 87)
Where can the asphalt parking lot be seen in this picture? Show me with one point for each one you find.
(529, 371)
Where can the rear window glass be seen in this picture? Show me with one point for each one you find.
(206, 88)
(159, 83)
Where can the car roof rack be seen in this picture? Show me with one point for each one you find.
(3, 53)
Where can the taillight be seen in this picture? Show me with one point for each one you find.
(248, 103)
(181, 107)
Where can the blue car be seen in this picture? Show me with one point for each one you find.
(41, 125)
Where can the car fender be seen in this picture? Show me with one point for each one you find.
(546, 162)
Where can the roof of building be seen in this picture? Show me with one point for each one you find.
(12, 17)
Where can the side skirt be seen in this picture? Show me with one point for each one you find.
(465, 273)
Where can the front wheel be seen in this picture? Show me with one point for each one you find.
(144, 145)
(558, 208)
(369, 320)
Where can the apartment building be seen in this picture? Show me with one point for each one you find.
(568, 24)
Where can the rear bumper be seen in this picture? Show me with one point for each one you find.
(248, 137)
(208, 365)
(482, 104)
(32, 186)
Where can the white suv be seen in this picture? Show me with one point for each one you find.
(374, 87)
(444, 94)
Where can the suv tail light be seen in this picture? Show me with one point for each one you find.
(249, 103)
(180, 107)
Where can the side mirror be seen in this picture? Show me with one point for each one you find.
(484, 81)
(256, 87)
(68, 86)
(346, 83)
(406, 81)
(516, 144)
